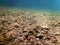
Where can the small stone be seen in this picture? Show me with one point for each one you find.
(15, 25)
(1, 37)
(40, 36)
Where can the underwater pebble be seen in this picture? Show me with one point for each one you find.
(18, 29)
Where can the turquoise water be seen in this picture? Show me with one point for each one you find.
(53, 5)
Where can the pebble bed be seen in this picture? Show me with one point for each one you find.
(28, 28)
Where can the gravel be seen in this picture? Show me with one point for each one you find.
(21, 29)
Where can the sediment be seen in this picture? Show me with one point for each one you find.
(28, 28)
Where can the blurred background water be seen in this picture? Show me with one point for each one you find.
(53, 5)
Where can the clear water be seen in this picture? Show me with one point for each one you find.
(53, 5)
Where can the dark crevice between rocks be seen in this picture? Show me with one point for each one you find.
(40, 37)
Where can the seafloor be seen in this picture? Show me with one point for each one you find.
(23, 27)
